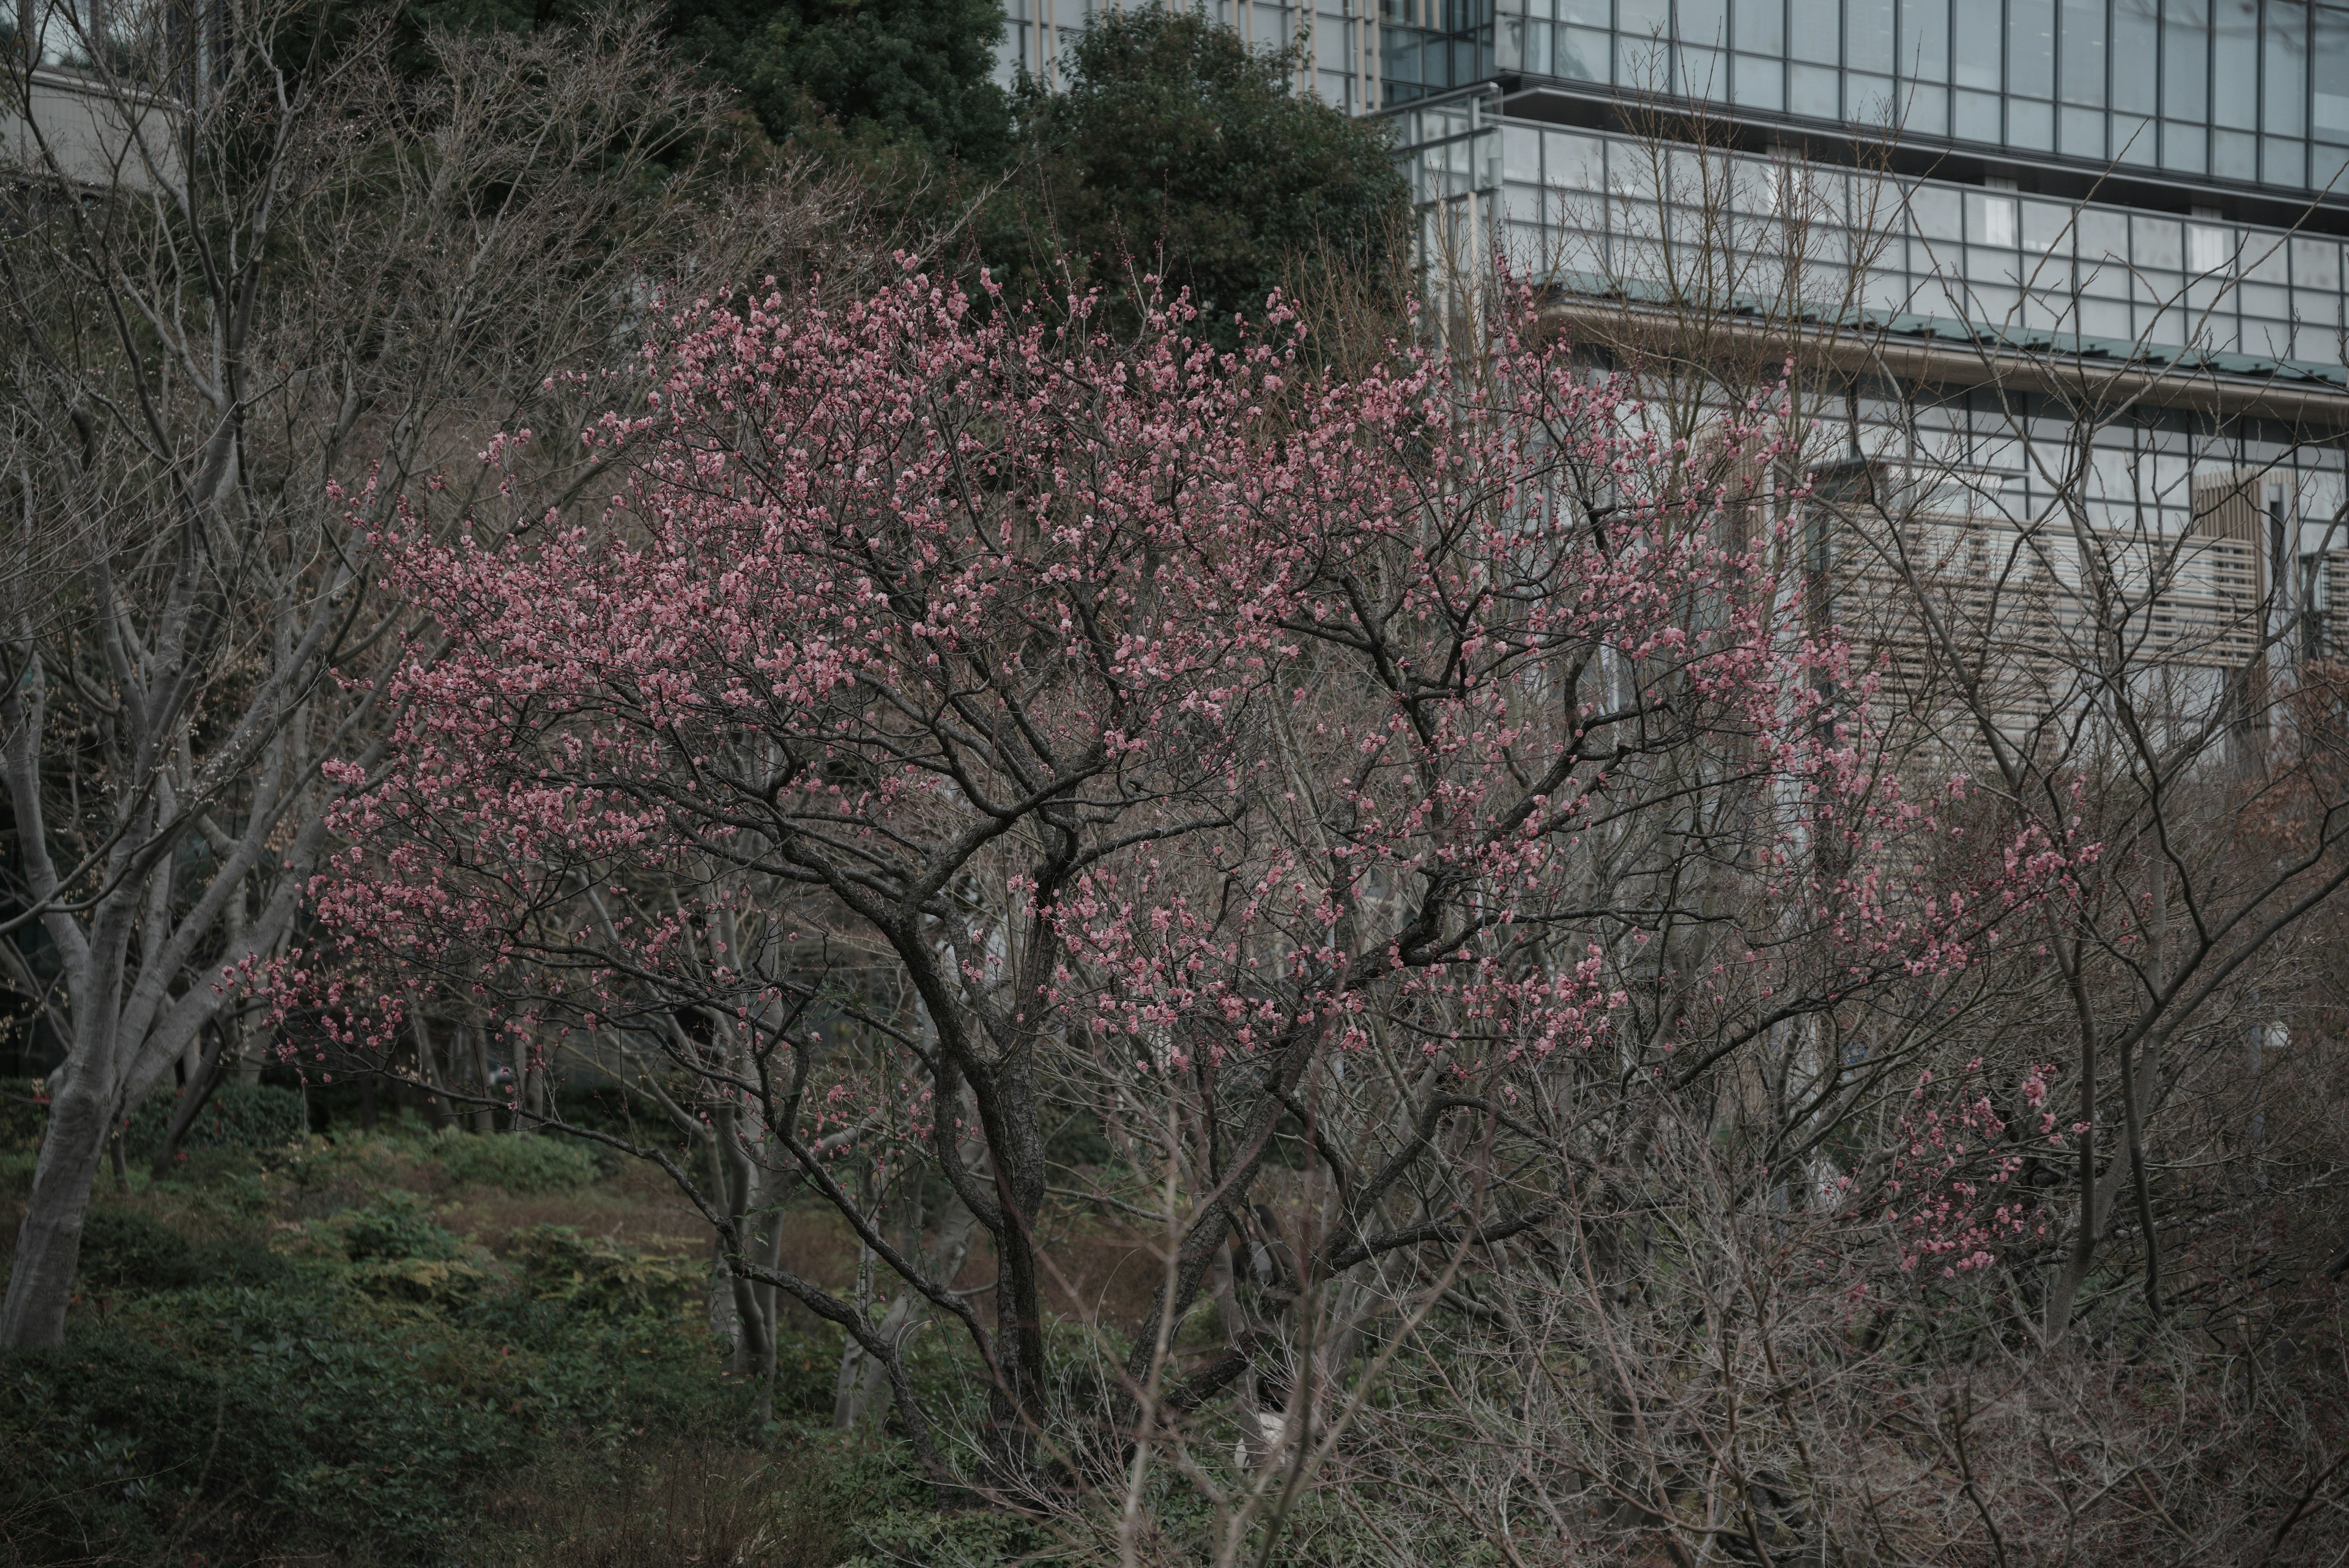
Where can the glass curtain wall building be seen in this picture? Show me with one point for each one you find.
(2149, 191)
(2244, 92)
(1999, 201)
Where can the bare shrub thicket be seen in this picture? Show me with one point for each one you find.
(2087, 589)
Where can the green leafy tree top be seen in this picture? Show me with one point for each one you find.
(915, 71)
(1176, 149)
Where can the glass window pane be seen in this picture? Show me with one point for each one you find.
(1761, 82)
(2083, 132)
(1704, 74)
(1925, 39)
(2264, 260)
(1925, 109)
(2155, 242)
(2284, 86)
(1818, 31)
(1976, 116)
(2134, 141)
(2235, 62)
(2328, 56)
(1867, 99)
(1760, 26)
(2047, 227)
(1521, 153)
(1646, 18)
(2030, 48)
(2185, 60)
(1582, 54)
(2210, 248)
(2185, 148)
(2329, 169)
(1704, 23)
(2315, 264)
(2083, 51)
(1978, 43)
(2234, 155)
(1867, 36)
(1936, 212)
(1812, 90)
(2030, 125)
(1991, 219)
(2103, 234)
(1574, 163)
(2136, 59)
(2283, 162)
(1643, 63)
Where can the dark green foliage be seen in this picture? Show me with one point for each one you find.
(319, 1418)
(23, 1112)
(1177, 150)
(528, 1163)
(1078, 1141)
(238, 1115)
(911, 71)
(314, 1414)
(396, 1228)
(124, 1249)
(595, 1275)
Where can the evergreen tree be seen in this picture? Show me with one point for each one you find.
(1176, 149)
(917, 71)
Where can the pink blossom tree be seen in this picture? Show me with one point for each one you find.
(956, 720)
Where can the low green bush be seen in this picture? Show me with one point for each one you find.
(123, 1248)
(596, 1274)
(397, 1227)
(320, 1415)
(518, 1164)
(238, 1115)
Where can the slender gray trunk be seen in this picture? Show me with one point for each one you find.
(49, 1243)
(863, 1387)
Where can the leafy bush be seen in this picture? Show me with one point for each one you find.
(396, 1228)
(124, 1249)
(601, 1275)
(238, 1115)
(519, 1165)
(313, 1416)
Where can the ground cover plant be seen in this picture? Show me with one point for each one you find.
(334, 1351)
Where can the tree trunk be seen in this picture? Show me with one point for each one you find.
(197, 1094)
(485, 1120)
(863, 1387)
(427, 1068)
(48, 1242)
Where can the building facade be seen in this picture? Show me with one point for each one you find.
(2085, 256)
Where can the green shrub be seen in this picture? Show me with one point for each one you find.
(122, 1249)
(313, 1419)
(518, 1164)
(238, 1115)
(397, 1227)
(597, 1275)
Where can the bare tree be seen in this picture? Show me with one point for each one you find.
(295, 284)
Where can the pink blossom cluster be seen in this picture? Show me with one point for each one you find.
(1198, 701)
(1951, 1198)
